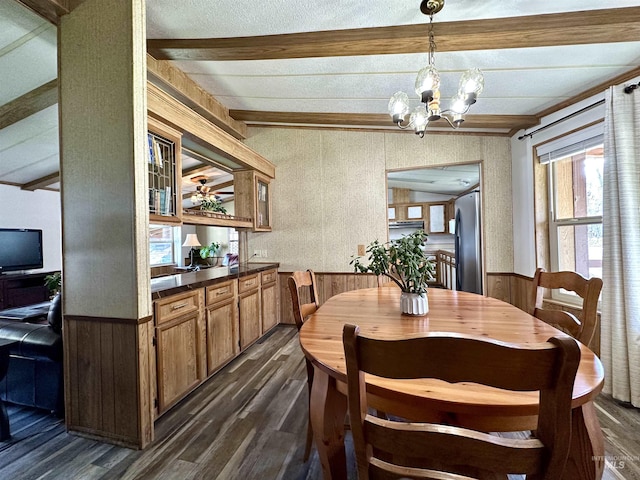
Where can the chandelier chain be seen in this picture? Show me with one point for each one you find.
(432, 42)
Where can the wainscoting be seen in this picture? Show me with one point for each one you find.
(516, 290)
(328, 285)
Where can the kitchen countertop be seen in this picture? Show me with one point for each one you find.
(171, 284)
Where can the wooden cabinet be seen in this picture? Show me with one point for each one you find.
(18, 290)
(199, 331)
(180, 337)
(249, 309)
(269, 299)
(252, 198)
(165, 173)
(435, 215)
(222, 324)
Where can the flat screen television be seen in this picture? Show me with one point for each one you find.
(20, 249)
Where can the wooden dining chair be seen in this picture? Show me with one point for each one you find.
(388, 449)
(302, 286)
(582, 327)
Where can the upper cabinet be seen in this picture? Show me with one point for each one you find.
(252, 198)
(163, 160)
(252, 172)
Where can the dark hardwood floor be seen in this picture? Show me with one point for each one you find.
(248, 422)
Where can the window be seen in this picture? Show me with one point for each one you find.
(575, 208)
(233, 241)
(161, 240)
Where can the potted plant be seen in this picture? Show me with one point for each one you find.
(53, 282)
(406, 264)
(209, 251)
(212, 204)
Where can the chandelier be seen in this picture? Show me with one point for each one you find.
(202, 193)
(428, 89)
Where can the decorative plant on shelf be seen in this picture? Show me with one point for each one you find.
(209, 250)
(404, 262)
(53, 282)
(212, 204)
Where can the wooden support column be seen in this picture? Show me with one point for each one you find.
(107, 301)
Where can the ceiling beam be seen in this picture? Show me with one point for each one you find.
(42, 182)
(377, 120)
(174, 81)
(31, 102)
(571, 28)
(50, 10)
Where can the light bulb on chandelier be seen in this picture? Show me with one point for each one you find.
(427, 88)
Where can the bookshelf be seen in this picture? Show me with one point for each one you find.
(163, 161)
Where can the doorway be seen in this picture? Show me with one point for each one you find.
(431, 198)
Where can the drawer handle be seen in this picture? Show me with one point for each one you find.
(222, 292)
(179, 306)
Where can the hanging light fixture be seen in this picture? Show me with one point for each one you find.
(202, 192)
(427, 87)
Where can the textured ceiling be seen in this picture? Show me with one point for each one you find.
(518, 81)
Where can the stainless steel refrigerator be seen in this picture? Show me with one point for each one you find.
(467, 243)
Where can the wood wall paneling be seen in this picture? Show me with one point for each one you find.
(516, 290)
(328, 285)
(107, 386)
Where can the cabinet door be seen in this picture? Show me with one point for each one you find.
(269, 306)
(437, 222)
(164, 166)
(222, 334)
(249, 317)
(177, 359)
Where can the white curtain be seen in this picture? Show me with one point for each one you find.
(620, 338)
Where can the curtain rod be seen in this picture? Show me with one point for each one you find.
(627, 89)
(566, 117)
(631, 88)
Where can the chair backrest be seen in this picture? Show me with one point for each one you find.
(548, 367)
(297, 281)
(584, 326)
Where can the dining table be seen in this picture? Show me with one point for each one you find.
(377, 312)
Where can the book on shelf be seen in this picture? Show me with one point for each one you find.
(157, 153)
(150, 155)
(161, 202)
(167, 200)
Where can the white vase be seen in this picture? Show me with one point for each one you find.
(414, 304)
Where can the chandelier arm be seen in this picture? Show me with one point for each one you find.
(400, 126)
(446, 117)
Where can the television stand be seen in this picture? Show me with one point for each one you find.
(22, 290)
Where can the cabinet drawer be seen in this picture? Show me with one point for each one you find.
(269, 276)
(248, 283)
(221, 291)
(177, 305)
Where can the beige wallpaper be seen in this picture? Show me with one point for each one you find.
(103, 118)
(329, 193)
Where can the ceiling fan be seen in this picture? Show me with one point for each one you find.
(204, 191)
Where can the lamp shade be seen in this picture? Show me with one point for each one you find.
(191, 241)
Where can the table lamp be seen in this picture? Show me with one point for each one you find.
(191, 241)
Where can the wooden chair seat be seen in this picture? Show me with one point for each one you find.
(387, 449)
